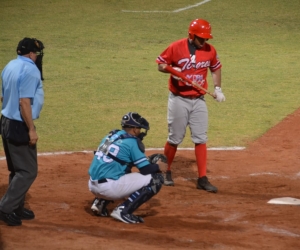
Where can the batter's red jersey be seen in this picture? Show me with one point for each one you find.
(178, 55)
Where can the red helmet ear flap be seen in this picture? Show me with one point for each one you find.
(191, 36)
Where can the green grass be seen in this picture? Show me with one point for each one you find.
(100, 63)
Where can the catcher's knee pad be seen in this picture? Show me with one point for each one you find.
(139, 197)
(156, 182)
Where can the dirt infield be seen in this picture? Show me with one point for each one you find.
(179, 217)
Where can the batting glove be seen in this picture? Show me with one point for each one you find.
(220, 97)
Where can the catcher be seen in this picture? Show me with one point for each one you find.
(110, 171)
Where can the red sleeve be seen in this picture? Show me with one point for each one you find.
(215, 62)
(166, 56)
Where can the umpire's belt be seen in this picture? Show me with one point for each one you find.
(192, 97)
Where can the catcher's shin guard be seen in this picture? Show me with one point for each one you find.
(144, 194)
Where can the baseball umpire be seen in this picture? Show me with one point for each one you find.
(110, 171)
(22, 101)
(193, 56)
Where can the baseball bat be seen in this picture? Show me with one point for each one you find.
(185, 79)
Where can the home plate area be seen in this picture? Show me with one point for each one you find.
(285, 201)
(241, 216)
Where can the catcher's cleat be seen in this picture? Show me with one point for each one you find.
(99, 207)
(168, 179)
(118, 214)
(204, 184)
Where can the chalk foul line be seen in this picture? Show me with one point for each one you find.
(147, 149)
(172, 11)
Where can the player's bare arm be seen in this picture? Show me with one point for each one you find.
(25, 108)
(161, 67)
(216, 76)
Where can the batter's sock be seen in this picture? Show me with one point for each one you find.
(170, 152)
(201, 158)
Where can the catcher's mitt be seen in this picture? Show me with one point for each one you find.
(156, 157)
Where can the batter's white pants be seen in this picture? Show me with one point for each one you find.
(183, 112)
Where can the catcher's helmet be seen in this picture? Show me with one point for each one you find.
(200, 28)
(134, 120)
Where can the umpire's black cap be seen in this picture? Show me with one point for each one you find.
(27, 45)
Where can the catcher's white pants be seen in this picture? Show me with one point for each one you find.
(121, 188)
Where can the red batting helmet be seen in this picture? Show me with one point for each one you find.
(200, 28)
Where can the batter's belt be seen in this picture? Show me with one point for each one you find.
(192, 97)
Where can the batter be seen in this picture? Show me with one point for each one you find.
(193, 56)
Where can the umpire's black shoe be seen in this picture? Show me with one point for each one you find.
(10, 219)
(204, 184)
(25, 214)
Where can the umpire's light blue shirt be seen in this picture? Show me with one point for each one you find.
(21, 79)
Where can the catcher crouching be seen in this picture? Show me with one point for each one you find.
(110, 171)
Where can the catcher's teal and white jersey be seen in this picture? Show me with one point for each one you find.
(126, 150)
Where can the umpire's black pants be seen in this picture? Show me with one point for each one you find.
(22, 163)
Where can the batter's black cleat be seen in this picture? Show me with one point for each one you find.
(99, 207)
(204, 184)
(10, 219)
(25, 214)
(168, 178)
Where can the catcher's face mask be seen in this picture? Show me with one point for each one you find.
(134, 120)
(142, 134)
